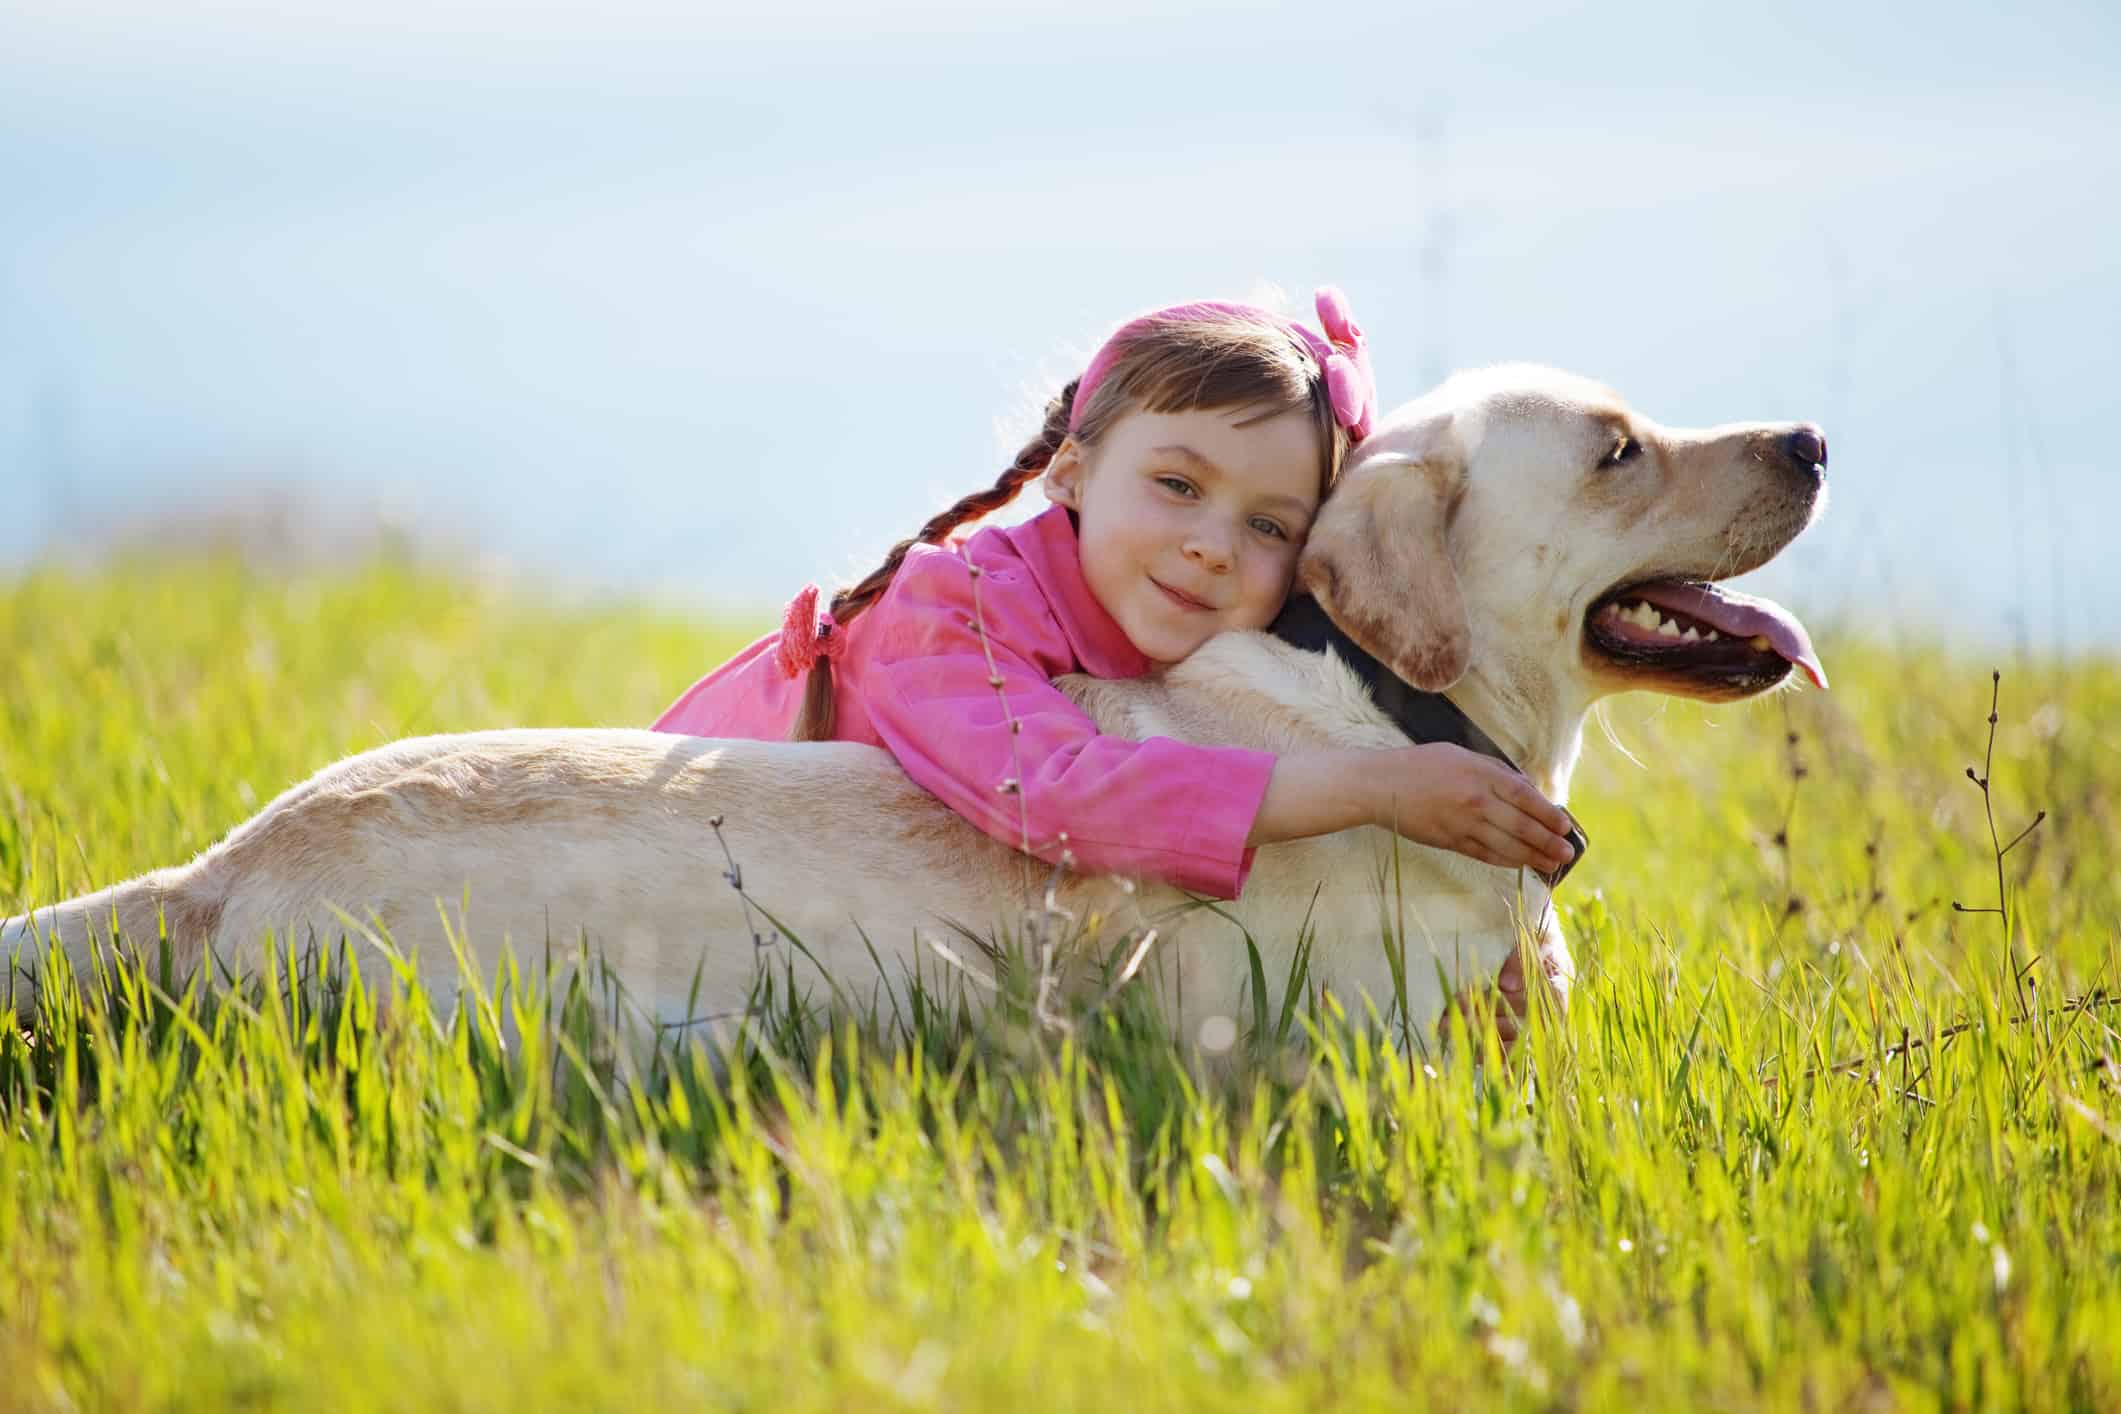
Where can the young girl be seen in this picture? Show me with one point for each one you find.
(1185, 466)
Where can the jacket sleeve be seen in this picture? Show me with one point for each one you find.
(1162, 808)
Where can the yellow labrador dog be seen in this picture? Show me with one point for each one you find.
(1519, 541)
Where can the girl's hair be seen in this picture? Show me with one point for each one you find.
(1161, 365)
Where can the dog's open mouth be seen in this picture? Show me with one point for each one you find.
(1713, 640)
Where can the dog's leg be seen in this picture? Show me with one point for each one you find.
(187, 904)
(134, 915)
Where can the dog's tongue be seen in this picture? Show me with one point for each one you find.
(1741, 616)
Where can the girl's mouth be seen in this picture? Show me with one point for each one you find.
(1184, 601)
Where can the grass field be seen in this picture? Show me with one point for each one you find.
(1675, 1196)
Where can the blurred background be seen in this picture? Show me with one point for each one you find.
(698, 303)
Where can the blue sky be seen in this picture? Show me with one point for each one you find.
(706, 303)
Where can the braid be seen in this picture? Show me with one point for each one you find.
(815, 721)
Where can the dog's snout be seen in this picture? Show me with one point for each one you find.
(1806, 447)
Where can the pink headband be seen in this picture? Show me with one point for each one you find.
(1343, 355)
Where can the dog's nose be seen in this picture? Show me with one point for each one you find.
(1806, 447)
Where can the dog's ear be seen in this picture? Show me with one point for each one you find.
(1379, 562)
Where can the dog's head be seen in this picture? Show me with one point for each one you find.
(1524, 514)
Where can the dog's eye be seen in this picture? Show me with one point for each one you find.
(1626, 450)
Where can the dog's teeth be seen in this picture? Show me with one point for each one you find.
(1692, 635)
(1759, 640)
(1711, 636)
(1667, 629)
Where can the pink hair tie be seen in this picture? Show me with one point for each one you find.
(1342, 353)
(807, 635)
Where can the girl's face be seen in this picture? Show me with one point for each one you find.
(1191, 521)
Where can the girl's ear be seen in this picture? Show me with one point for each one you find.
(1064, 476)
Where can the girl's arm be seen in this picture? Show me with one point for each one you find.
(1183, 813)
(1434, 794)
(966, 732)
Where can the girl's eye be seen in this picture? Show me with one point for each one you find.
(1626, 451)
(1269, 528)
(1176, 483)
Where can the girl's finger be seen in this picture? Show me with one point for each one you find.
(1499, 847)
(1543, 847)
(1526, 798)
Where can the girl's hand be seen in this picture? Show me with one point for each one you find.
(1446, 796)
(1507, 1003)
(1434, 794)
(1502, 1004)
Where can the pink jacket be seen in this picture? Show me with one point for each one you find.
(913, 680)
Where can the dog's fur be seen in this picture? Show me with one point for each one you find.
(1469, 538)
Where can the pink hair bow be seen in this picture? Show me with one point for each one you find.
(807, 635)
(1344, 360)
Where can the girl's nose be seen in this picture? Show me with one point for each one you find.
(1210, 552)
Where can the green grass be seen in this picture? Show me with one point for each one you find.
(284, 1197)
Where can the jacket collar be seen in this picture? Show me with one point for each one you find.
(1049, 546)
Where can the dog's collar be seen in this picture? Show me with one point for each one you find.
(1423, 716)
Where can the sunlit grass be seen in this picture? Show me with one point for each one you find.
(295, 1196)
